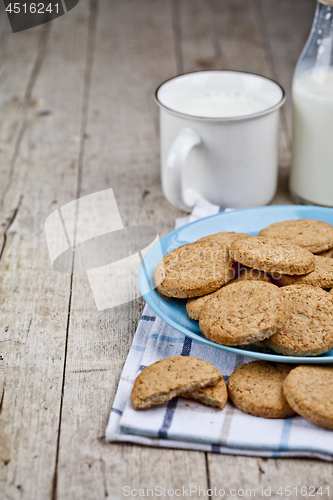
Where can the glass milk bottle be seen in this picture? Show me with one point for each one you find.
(311, 178)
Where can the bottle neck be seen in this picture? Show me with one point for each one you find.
(322, 34)
(318, 51)
(323, 19)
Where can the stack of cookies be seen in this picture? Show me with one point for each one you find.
(270, 290)
(263, 389)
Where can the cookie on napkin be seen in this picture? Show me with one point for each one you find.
(309, 391)
(216, 396)
(257, 388)
(170, 377)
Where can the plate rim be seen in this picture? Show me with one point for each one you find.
(322, 359)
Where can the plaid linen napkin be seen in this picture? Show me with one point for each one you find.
(185, 424)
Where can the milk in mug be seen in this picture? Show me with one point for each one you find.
(219, 138)
(221, 105)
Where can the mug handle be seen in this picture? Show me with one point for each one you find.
(175, 163)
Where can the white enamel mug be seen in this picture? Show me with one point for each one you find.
(231, 161)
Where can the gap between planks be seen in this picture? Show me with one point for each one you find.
(25, 108)
(8, 226)
(93, 12)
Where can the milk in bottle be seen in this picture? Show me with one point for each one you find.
(311, 179)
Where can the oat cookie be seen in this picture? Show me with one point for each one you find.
(309, 329)
(327, 253)
(216, 395)
(247, 273)
(169, 377)
(194, 269)
(309, 391)
(257, 388)
(194, 306)
(322, 275)
(271, 255)
(244, 312)
(315, 235)
(225, 238)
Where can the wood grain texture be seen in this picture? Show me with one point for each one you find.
(34, 308)
(246, 473)
(20, 60)
(78, 116)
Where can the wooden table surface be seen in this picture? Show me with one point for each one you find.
(77, 115)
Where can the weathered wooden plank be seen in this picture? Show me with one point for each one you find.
(133, 54)
(20, 62)
(246, 473)
(222, 35)
(35, 298)
(131, 64)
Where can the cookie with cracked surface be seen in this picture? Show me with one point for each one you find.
(309, 329)
(194, 269)
(315, 235)
(257, 388)
(272, 256)
(216, 395)
(244, 312)
(169, 377)
(322, 275)
(309, 391)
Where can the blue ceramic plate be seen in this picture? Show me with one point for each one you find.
(250, 221)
